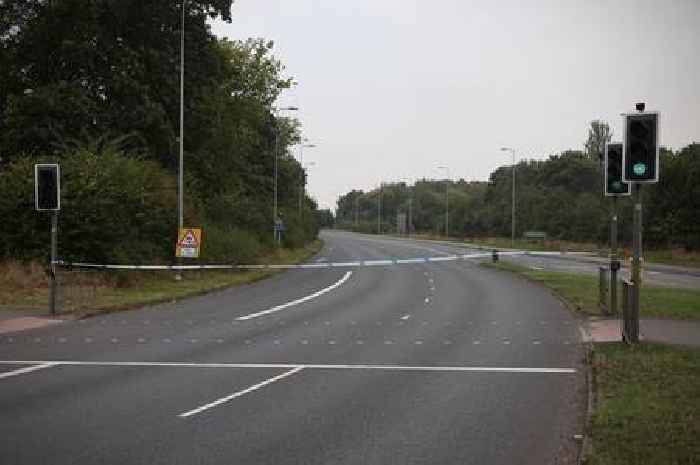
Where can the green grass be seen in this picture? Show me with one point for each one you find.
(581, 292)
(647, 405)
(92, 292)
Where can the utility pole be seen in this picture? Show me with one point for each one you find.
(379, 210)
(274, 205)
(357, 201)
(447, 200)
(180, 175)
(512, 202)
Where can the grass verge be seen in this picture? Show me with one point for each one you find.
(647, 405)
(86, 292)
(581, 291)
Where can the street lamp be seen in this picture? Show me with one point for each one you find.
(379, 209)
(180, 183)
(447, 200)
(512, 208)
(275, 236)
(302, 191)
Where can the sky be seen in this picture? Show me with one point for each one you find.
(389, 90)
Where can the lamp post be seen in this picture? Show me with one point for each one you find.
(447, 200)
(181, 141)
(275, 235)
(302, 191)
(379, 209)
(512, 208)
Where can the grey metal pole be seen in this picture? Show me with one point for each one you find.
(274, 205)
(410, 215)
(54, 253)
(447, 206)
(180, 175)
(613, 258)
(180, 196)
(636, 261)
(357, 201)
(512, 213)
(301, 162)
(379, 211)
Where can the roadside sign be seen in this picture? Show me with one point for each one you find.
(189, 243)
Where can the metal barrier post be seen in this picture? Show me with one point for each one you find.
(603, 289)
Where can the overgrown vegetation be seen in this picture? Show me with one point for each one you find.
(95, 87)
(647, 405)
(581, 291)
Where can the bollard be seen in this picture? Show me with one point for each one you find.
(494, 255)
(603, 289)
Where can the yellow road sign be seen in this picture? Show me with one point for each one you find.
(189, 243)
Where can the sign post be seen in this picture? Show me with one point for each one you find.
(614, 187)
(47, 197)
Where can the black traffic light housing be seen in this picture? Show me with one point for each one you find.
(47, 187)
(641, 148)
(614, 184)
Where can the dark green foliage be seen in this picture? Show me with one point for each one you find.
(95, 85)
(113, 208)
(561, 196)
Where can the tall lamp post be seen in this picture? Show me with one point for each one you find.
(181, 141)
(447, 200)
(379, 209)
(275, 232)
(302, 191)
(512, 207)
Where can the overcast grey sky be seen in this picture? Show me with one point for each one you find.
(391, 89)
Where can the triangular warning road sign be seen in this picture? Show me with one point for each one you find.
(190, 240)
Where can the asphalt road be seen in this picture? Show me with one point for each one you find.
(436, 363)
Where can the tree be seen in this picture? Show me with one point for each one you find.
(598, 134)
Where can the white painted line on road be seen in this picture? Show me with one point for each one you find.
(404, 261)
(22, 371)
(298, 301)
(378, 262)
(293, 365)
(245, 391)
(406, 317)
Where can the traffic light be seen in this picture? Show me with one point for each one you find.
(614, 185)
(640, 156)
(47, 187)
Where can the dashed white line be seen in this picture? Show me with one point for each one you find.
(298, 301)
(252, 388)
(406, 317)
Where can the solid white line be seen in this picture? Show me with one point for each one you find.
(22, 371)
(293, 365)
(298, 301)
(252, 388)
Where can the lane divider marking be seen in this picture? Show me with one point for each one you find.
(427, 368)
(240, 393)
(298, 301)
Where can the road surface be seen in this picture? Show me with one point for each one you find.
(437, 363)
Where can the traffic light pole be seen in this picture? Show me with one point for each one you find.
(614, 262)
(52, 265)
(636, 262)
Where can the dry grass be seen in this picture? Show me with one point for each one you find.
(25, 286)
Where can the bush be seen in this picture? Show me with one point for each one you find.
(225, 245)
(113, 209)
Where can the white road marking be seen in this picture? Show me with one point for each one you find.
(24, 370)
(252, 388)
(298, 301)
(292, 365)
(406, 317)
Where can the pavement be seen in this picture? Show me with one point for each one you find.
(413, 364)
(676, 332)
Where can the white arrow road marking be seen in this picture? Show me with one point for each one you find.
(298, 301)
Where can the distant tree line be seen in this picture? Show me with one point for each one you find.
(95, 85)
(561, 196)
